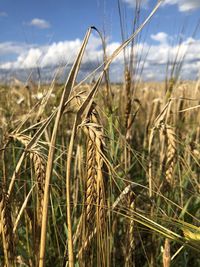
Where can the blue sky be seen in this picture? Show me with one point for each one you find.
(38, 32)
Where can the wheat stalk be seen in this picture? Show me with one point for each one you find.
(166, 254)
(128, 98)
(130, 258)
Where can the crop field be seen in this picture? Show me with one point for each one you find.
(100, 174)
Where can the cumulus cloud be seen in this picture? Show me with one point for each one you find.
(55, 54)
(160, 37)
(39, 23)
(154, 58)
(13, 48)
(184, 5)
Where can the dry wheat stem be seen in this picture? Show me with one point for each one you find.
(166, 254)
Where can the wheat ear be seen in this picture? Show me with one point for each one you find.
(170, 136)
(95, 214)
(6, 230)
(39, 164)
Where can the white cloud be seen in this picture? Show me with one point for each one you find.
(160, 37)
(155, 62)
(189, 5)
(40, 23)
(3, 14)
(59, 53)
(25, 60)
(184, 5)
(13, 48)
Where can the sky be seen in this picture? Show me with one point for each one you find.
(49, 33)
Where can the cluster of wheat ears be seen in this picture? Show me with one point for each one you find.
(101, 175)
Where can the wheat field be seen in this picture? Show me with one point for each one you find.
(100, 174)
